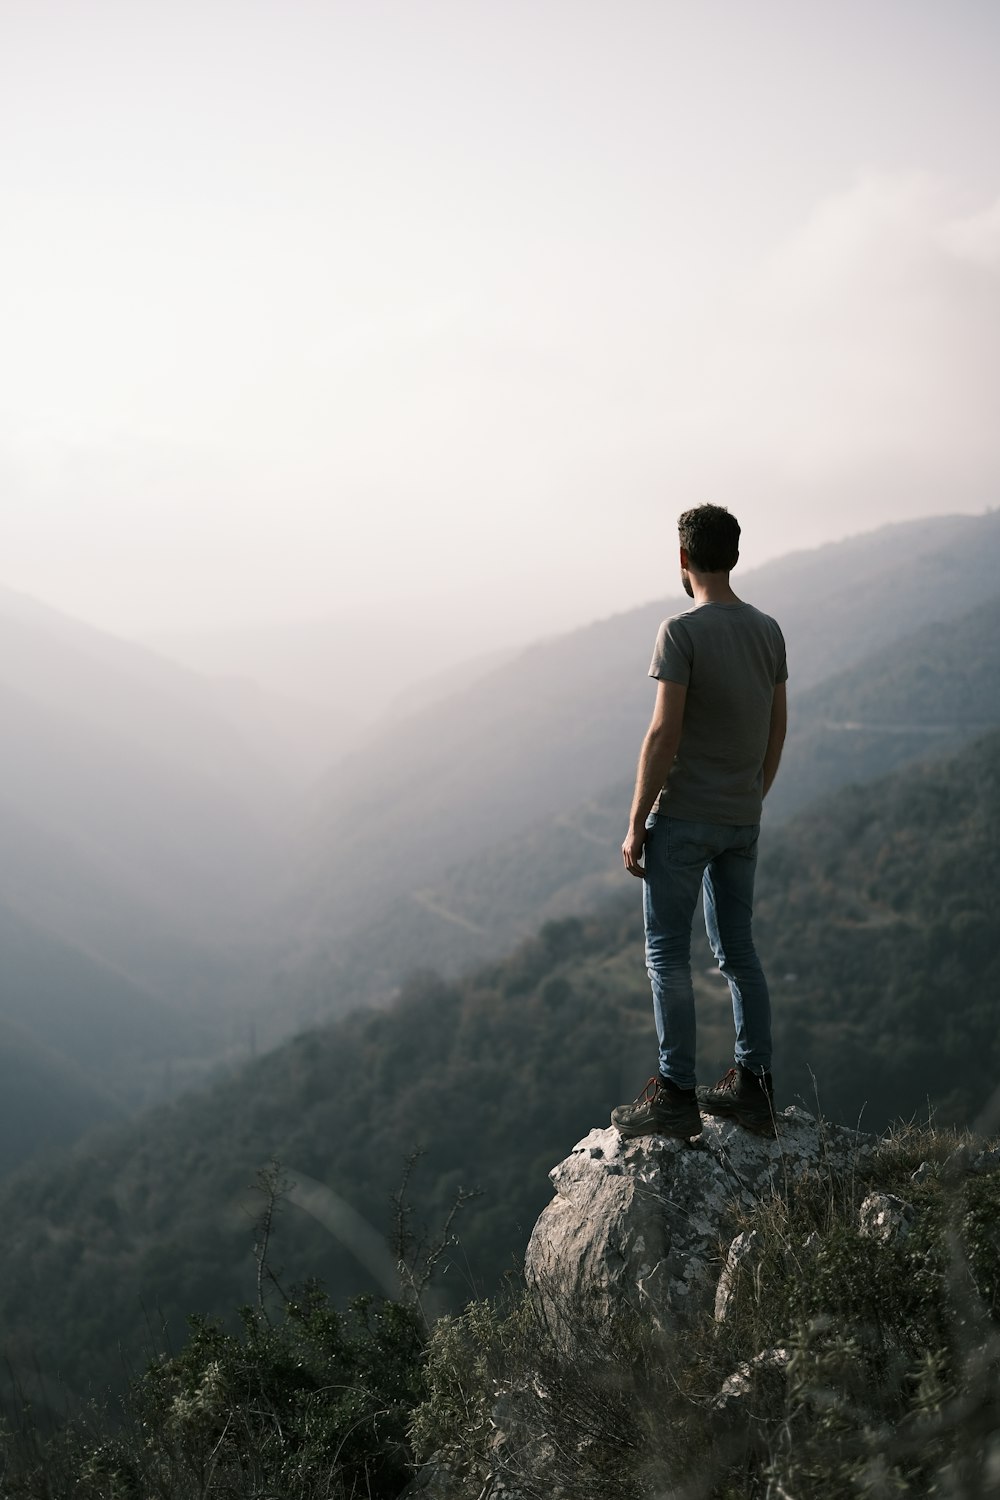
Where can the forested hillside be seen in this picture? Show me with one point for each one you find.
(876, 919)
(882, 901)
(922, 695)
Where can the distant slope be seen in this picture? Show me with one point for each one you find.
(942, 675)
(839, 603)
(877, 919)
(103, 1027)
(922, 695)
(504, 773)
(137, 824)
(141, 838)
(46, 1101)
(341, 672)
(75, 889)
(126, 692)
(172, 842)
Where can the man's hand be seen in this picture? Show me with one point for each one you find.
(776, 735)
(632, 852)
(655, 759)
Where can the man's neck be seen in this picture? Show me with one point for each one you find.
(712, 588)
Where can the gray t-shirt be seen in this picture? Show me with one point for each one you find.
(730, 657)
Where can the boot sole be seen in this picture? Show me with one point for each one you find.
(758, 1126)
(633, 1132)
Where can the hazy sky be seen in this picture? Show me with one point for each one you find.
(308, 304)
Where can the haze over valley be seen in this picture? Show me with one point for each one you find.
(174, 899)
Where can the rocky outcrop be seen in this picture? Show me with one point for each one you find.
(665, 1229)
(648, 1222)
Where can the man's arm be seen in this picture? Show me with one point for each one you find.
(655, 759)
(776, 735)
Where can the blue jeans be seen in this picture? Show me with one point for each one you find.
(680, 858)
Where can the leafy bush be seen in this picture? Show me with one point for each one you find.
(313, 1406)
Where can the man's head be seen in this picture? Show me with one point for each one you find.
(710, 537)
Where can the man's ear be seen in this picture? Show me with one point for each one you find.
(684, 558)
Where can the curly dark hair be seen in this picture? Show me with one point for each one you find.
(711, 538)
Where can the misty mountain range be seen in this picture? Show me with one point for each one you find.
(170, 891)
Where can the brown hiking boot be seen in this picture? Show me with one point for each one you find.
(744, 1097)
(661, 1109)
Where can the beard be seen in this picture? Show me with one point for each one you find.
(686, 583)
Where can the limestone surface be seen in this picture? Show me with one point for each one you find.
(885, 1217)
(647, 1222)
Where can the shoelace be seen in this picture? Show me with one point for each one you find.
(728, 1081)
(649, 1093)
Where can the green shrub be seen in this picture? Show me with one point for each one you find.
(313, 1406)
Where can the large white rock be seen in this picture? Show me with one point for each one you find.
(647, 1223)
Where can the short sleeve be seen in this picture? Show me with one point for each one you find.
(781, 671)
(672, 653)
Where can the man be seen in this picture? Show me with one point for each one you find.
(709, 757)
